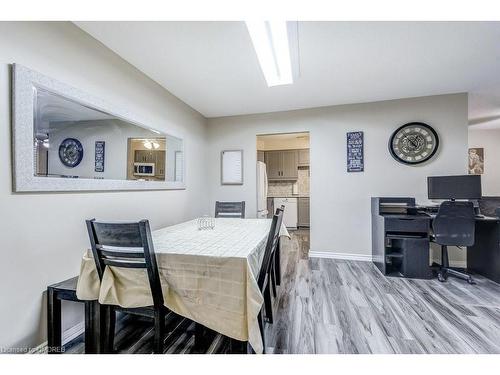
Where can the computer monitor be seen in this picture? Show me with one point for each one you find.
(454, 187)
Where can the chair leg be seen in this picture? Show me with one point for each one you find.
(109, 336)
(443, 270)
(238, 347)
(159, 331)
(273, 280)
(262, 332)
(444, 257)
(446, 270)
(268, 303)
(199, 337)
(91, 319)
(277, 263)
(461, 275)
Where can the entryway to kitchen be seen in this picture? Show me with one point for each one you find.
(283, 176)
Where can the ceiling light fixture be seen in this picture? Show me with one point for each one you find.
(151, 144)
(270, 40)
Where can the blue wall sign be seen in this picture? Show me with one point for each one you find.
(355, 154)
(99, 156)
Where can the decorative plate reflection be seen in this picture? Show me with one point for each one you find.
(413, 143)
(71, 152)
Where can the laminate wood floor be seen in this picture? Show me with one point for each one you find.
(338, 306)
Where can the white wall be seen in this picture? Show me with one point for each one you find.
(43, 235)
(340, 201)
(490, 141)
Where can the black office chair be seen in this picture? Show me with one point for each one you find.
(453, 226)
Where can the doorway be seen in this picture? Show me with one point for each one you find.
(283, 178)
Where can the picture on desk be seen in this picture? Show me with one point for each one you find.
(476, 160)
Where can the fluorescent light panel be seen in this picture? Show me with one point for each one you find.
(270, 40)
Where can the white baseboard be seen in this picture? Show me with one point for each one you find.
(68, 335)
(368, 257)
(345, 256)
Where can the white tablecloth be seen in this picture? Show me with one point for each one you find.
(209, 276)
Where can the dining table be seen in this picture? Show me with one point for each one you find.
(207, 275)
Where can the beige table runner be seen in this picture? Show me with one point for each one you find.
(208, 276)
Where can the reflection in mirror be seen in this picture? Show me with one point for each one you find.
(72, 140)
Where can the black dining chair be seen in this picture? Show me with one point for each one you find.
(263, 280)
(275, 271)
(128, 245)
(230, 209)
(454, 225)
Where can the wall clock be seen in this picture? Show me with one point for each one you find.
(413, 143)
(71, 152)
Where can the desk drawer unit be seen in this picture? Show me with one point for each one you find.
(406, 225)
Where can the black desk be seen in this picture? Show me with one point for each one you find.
(484, 256)
(390, 229)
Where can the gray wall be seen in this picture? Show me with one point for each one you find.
(340, 201)
(43, 235)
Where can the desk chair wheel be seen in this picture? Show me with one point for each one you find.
(442, 276)
(471, 281)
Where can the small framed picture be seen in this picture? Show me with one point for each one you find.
(476, 160)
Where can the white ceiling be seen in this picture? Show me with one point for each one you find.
(212, 65)
(54, 111)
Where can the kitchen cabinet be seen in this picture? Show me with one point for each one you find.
(281, 165)
(303, 156)
(273, 164)
(303, 212)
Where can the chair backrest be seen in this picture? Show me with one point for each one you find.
(272, 243)
(454, 224)
(125, 245)
(230, 209)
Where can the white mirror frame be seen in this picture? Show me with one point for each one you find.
(24, 178)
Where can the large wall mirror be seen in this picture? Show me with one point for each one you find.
(66, 140)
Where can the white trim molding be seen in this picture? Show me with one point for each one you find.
(368, 257)
(345, 256)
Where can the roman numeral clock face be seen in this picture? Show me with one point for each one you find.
(413, 143)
